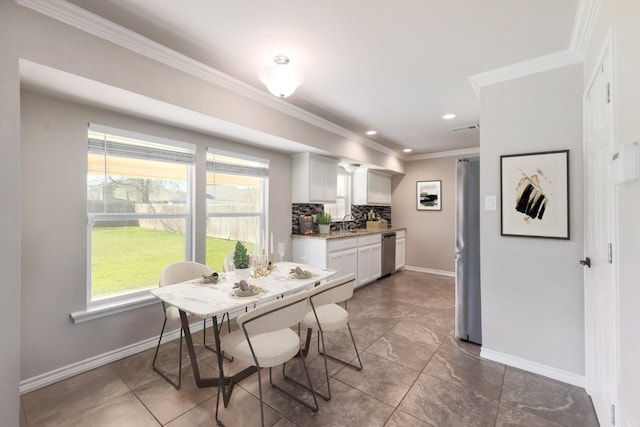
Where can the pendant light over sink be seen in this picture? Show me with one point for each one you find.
(280, 79)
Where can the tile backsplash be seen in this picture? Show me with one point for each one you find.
(298, 209)
(359, 212)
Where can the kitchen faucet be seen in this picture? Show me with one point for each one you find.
(344, 219)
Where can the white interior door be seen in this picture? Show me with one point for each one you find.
(600, 284)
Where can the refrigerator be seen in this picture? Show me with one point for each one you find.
(468, 320)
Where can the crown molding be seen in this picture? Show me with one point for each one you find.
(586, 15)
(524, 68)
(475, 151)
(97, 26)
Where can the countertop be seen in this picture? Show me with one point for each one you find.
(359, 232)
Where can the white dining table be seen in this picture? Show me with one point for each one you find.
(219, 299)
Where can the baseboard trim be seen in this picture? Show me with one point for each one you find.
(430, 271)
(536, 368)
(48, 378)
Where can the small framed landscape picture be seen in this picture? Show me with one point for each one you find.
(535, 194)
(429, 195)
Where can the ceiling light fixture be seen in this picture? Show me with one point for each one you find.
(371, 132)
(351, 167)
(449, 116)
(407, 150)
(280, 79)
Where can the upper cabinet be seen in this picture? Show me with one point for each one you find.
(315, 179)
(371, 188)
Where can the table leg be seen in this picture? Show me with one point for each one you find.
(200, 382)
(226, 383)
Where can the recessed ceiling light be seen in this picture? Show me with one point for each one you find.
(407, 150)
(449, 116)
(372, 132)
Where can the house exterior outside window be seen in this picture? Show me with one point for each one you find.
(139, 207)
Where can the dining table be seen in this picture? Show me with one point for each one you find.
(223, 298)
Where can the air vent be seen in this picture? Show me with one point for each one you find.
(465, 128)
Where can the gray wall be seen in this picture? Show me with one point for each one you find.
(624, 16)
(9, 224)
(54, 232)
(430, 234)
(532, 296)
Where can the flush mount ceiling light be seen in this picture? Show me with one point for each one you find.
(371, 132)
(407, 150)
(280, 79)
(449, 116)
(351, 167)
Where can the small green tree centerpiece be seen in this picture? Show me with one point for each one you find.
(324, 218)
(240, 256)
(324, 222)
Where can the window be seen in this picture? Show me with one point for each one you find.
(342, 206)
(236, 204)
(139, 193)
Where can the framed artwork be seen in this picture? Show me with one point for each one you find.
(429, 195)
(534, 194)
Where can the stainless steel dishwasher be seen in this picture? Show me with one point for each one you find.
(388, 253)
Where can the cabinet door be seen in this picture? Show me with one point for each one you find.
(316, 180)
(323, 181)
(375, 263)
(330, 182)
(375, 195)
(400, 246)
(379, 189)
(370, 188)
(364, 259)
(385, 190)
(350, 257)
(335, 261)
(344, 262)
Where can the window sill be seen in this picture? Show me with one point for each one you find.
(109, 309)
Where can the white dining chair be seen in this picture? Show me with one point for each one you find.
(326, 315)
(178, 272)
(265, 339)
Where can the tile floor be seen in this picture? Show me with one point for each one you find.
(415, 374)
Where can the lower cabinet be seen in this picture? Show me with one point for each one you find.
(361, 256)
(344, 262)
(369, 259)
(400, 248)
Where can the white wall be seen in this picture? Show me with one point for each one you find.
(624, 16)
(9, 225)
(532, 295)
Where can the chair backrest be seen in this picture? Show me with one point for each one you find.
(337, 290)
(182, 271)
(275, 315)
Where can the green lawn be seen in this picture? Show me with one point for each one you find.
(131, 258)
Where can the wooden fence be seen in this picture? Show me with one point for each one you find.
(242, 228)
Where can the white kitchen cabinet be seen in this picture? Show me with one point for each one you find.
(369, 259)
(371, 188)
(337, 254)
(342, 256)
(314, 179)
(361, 256)
(400, 249)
